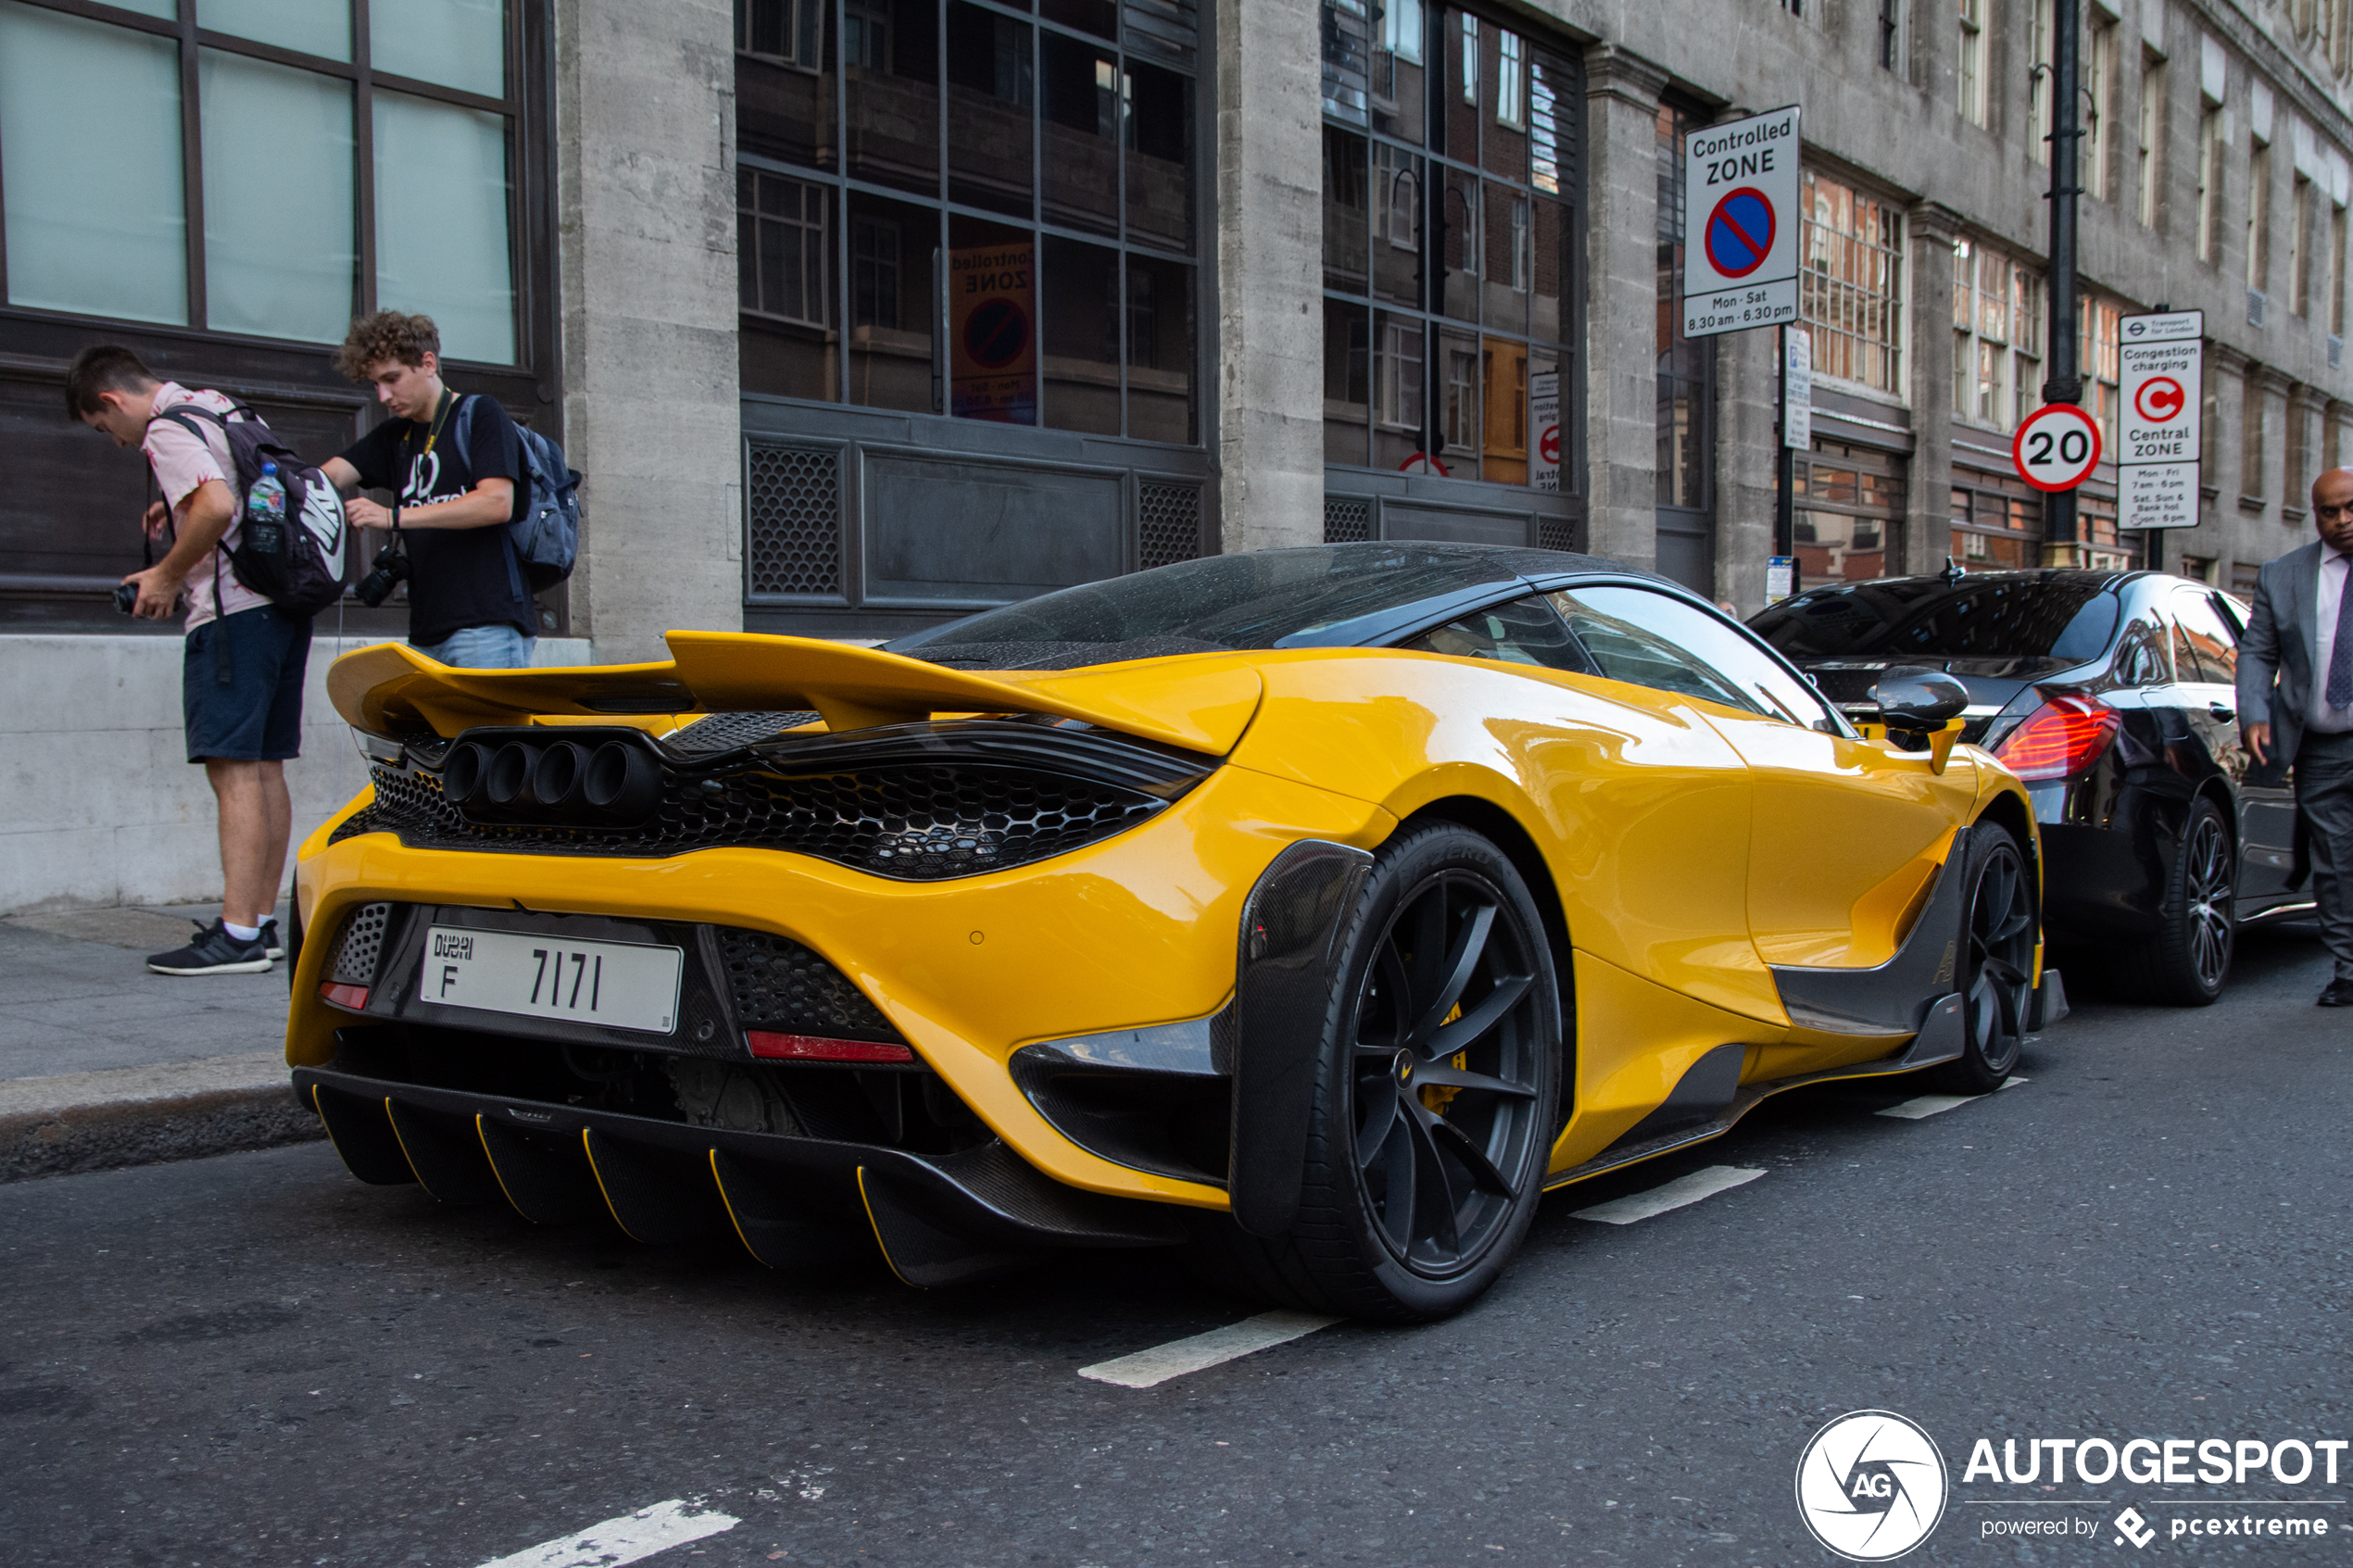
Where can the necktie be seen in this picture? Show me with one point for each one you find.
(2339, 690)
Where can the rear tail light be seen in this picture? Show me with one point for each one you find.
(343, 995)
(2062, 737)
(816, 1047)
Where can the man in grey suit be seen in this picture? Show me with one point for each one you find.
(2296, 703)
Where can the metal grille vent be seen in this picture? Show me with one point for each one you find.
(792, 520)
(724, 732)
(1557, 534)
(1347, 520)
(357, 949)
(1168, 523)
(778, 984)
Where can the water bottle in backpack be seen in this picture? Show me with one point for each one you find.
(266, 512)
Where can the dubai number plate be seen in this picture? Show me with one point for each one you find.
(618, 985)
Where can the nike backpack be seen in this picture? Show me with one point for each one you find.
(295, 561)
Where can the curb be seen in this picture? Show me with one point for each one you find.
(146, 1115)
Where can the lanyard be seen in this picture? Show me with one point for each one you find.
(440, 414)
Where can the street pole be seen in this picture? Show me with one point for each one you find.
(1785, 471)
(2065, 383)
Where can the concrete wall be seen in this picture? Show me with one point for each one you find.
(646, 221)
(103, 806)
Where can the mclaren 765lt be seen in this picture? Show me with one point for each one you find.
(1316, 909)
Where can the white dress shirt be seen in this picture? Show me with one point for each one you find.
(2318, 716)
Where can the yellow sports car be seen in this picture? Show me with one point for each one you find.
(1319, 909)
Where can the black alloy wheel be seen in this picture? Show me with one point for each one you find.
(2190, 961)
(1995, 973)
(1433, 1117)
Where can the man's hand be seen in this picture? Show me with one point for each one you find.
(157, 516)
(2258, 740)
(158, 592)
(364, 513)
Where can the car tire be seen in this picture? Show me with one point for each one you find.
(1995, 960)
(2189, 963)
(1445, 937)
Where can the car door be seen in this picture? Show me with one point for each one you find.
(2207, 628)
(1847, 833)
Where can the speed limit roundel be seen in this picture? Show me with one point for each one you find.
(2057, 447)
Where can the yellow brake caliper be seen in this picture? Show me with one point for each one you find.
(1435, 1097)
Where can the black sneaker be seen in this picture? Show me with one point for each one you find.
(269, 939)
(214, 951)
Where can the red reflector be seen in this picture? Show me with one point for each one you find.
(352, 997)
(2063, 737)
(813, 1048)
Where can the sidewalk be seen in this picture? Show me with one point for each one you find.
(104, 1064)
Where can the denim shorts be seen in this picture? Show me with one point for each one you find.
(241, 685)
(496, 646)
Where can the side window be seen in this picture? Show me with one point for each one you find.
(1523, 632)
(2140, 655)
(1645, 637)
(2204, 647)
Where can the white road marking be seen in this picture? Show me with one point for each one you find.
(1674, 1194)
(629, 1538)
(1932, 1105)
(1204, 1351)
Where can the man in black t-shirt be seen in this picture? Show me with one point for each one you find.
(467, 601)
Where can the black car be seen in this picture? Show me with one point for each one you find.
(2110, 694)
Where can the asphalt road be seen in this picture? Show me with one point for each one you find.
(256, 1359)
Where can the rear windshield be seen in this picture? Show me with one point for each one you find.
(2025, 615)
(1269, 598)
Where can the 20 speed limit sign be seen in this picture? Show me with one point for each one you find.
(2057, 447)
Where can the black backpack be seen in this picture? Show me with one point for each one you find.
(296, 565)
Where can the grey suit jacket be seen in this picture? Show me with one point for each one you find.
(2277, 654)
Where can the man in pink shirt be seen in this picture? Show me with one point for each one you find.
(242, 669)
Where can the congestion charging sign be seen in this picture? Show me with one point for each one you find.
(2160, 364)
(1741, 224)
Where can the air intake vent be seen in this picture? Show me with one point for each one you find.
(1557, 534)
(778, 984)
(1348, 519)
(1167, 523)
(792, 522)
(357, 949)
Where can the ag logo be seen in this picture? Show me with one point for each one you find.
(1870, 1485)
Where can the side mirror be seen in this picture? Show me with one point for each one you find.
(1916, 700)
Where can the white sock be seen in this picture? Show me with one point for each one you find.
(241, 933)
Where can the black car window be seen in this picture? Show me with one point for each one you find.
(2062, 616)
(2140, 655)
(1523, 632)
(1654, 640)
(2204, 648)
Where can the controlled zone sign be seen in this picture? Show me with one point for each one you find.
(2160, 363)
(2057, 447)
(1741, 224)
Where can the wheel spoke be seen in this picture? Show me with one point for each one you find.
(1379, 1109)
(1446, 1077)
(1462, 958)
(1404, 1158)
(1460, 1034)
(1435, 1208)
(2004, 971)
(1425, 974)
(1474, 1159)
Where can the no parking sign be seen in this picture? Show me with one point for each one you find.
(1739, 224)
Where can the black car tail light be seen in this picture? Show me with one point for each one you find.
(2061, 738)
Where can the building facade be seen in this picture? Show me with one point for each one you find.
(859, 314)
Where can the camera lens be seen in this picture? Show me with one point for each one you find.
(558, 775)
(507, 781)
(461, 775)
(126, 598)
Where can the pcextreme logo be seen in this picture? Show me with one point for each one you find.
(1870, 1485)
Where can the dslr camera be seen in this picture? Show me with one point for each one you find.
(389, 570)
(126, 598)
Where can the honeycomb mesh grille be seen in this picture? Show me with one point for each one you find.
(1168, 523)
(1557, 534)
(792, 522)
(778, 984)
(922, 823)
(357, 949)
(724, 732)
(1347, 520)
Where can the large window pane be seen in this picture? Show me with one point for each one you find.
(785, 81)
(315, 27)
(455, 43)
(1398, 198)
(1399, 88)
(1083, 108)
(1161, 402)
(894, 296)
(1098, 17)
(1461, 250)
(784, 254)
(1160, 157)
(1400, 388)
(992, 322)
(271, 268)
(441, 223)
(1504, 378)
(1507, 266)
(1347, 391)
(89, 131)
(1551, 301)
(1346, 229)
(890, 66)
(1081, 291)
(1462, 401)
(989, 110)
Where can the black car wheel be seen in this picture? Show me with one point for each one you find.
(1435, 1085)
(2190, 961)
(1997, 959)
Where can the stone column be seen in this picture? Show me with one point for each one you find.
(2277, 389)
(1621, 294)
(1270, 236)
(1930, 229)
(2306, 408)
(645, 220)
(2224, 443)
(1748, 450)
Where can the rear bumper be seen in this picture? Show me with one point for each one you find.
(2101, 885)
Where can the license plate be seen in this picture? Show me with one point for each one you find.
(618, 985)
